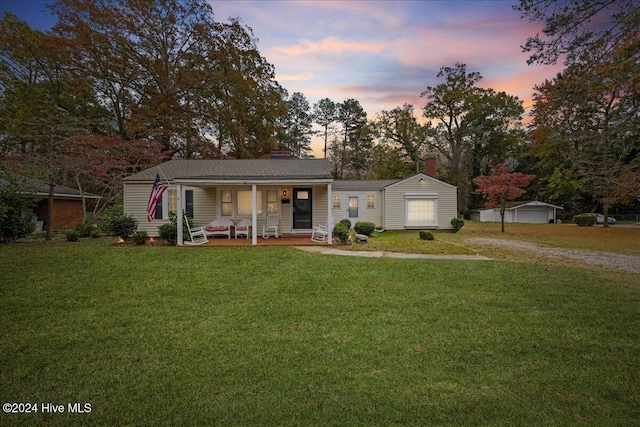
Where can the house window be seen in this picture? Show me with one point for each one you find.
(371, 201)
(226, 203)
(188, 203)
(172, 200)
(353, 207)
(272, 202)
(244, 203)
(167, 203)
(421, 210)
(336, 202)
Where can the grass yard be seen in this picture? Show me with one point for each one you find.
(275, 336)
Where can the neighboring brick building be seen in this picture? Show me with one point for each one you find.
(67, 204)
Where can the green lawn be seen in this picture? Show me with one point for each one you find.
(276, 336)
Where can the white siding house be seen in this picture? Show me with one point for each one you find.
(296, 191)
(301, 193)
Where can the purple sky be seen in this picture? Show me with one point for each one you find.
(382, 53)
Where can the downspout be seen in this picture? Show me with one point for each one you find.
(329, 214)
(254, 214)
(179, 217)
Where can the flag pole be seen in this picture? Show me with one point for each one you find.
(163, 175)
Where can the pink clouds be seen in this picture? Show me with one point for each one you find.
(331, 45)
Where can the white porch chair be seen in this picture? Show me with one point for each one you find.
(271, 227)
(243, 228)
(198, 235)
(321, 232)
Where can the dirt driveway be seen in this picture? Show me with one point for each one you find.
(614, 261)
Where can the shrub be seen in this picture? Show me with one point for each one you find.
(95, 233)
(13, 202)
(168, 232)
(73, 235)
(426, 235)
(585, 220)
(84, 229)
(122, 226)
(364, 227)
(346, 223)
(457, 224)
(140, 237)
(104, 218)
(341, 232)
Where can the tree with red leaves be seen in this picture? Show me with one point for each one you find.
(501, 187)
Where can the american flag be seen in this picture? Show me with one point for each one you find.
(156, 193)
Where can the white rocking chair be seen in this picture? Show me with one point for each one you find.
(320, 234)
(198, 235)
(271, 227)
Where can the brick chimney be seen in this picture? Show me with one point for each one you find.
(430, 167)
(280, 154)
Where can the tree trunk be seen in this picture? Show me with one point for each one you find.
(49, 234)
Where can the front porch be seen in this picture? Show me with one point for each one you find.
(284, 240)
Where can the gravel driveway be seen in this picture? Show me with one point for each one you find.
(628, 263)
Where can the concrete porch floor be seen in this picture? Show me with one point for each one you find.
(284, 240)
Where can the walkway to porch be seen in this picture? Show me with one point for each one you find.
(284, 240)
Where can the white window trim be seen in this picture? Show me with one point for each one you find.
(374, 201)
(420, 196)
(165, 202)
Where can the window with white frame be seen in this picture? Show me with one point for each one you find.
(226, 203)
(421, 210)
(371, 201)
(244, 203)
(336, 201)
(272, 202)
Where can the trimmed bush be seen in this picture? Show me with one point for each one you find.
(346, 223)
(341, 232)
(84, 229)
(72, 235)
(585, 220)
(168, 232)
(457, 224)
(140, 237)
(426, 235)
(95, 234)
(364, 227)
(122, 226)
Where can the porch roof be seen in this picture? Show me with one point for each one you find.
(236, 170)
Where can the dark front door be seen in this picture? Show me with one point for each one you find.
(302, 208)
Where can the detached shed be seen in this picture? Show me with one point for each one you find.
(530, 212)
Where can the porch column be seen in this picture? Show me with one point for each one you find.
(329, 214)
(179, 217)
(254, 214)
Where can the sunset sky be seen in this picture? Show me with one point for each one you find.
(382, 53)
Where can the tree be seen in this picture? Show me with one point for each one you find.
(44, 102)
(579, 27)
(295, 133)
(399, 128)
(325, 114)
(501, 187)
(167, 71)
(355, 140)
(586, 120)
(468, 122)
